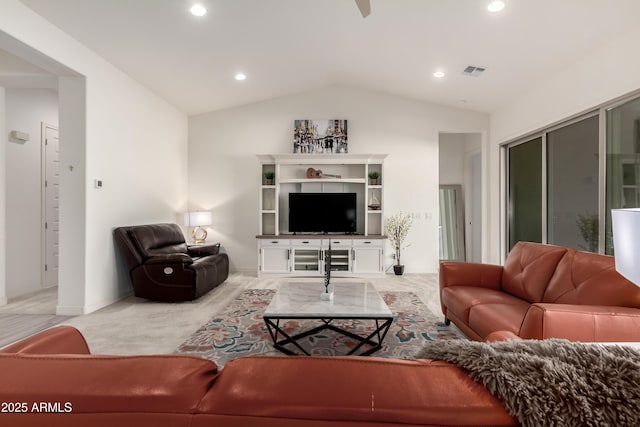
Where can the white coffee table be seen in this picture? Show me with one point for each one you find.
(354, 301)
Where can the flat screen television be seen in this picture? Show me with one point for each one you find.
(322, 213)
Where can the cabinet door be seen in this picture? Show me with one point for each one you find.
(340, 259)
(367, 260)
(274, 259)
(307, 261)
(341, 254)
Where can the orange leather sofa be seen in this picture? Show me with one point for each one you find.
(542, 291)
(51, 379)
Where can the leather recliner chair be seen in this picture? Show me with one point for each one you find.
(163, 267)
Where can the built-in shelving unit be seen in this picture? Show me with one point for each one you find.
(280, 252)
(291, 176)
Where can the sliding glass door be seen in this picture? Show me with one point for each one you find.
(572, 185)
(623, 161)
(562, 184)
(525, 192)
(553, 187)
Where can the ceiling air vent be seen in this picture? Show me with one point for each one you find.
(473, 71)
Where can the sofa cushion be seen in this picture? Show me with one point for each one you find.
(528, 268)
(487, 318)
(587, 323)
(101, 384)
(57, 340)
(590, 279)
(460, 299)
(158, 239)
(317, 391)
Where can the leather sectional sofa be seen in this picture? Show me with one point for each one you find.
(51, 379)
(542, 291)
(162, 267)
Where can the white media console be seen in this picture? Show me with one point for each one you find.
(281, 252)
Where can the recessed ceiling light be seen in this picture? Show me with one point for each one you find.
(198, 10)
(240, 76)
(495, 6)
(438, 74)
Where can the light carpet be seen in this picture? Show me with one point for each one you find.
(240, 330)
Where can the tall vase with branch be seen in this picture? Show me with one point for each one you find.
(397, 228)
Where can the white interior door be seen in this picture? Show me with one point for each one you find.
(51, 205)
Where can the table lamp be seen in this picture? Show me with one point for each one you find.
(198, 219)
(625, 224)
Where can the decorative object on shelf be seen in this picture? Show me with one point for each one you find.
(317, 173)
(198, 219)
(269, 177)
(373, 178)
(320, 137)
(397, 228)
(327, 295)
(374, 203)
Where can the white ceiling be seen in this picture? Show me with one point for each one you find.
(290, 46)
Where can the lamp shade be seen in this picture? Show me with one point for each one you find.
(197, 218)
(626, 242)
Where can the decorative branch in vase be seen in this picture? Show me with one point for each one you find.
(327, 295)
(397, 228)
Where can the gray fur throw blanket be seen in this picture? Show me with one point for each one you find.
(552, 382)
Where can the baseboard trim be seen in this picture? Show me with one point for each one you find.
(4, 300)
(104, 303)
(248, 270)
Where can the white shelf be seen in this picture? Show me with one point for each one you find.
(323, 180)
(290, 172)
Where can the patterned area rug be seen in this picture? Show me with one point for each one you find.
(241, 331)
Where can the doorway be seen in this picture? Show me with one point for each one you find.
(71, 89)
(460, 196)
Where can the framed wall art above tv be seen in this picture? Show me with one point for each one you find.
(320, 137)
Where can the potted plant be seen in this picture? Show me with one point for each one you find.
(373, 178)
(396, 228)
(269, 176)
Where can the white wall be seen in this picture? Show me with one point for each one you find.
(224, 175)
(113, 129)
(26, 109)
(608, 72)
(452, 148)
(3, 140)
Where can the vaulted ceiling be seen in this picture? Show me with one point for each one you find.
(290, 46)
